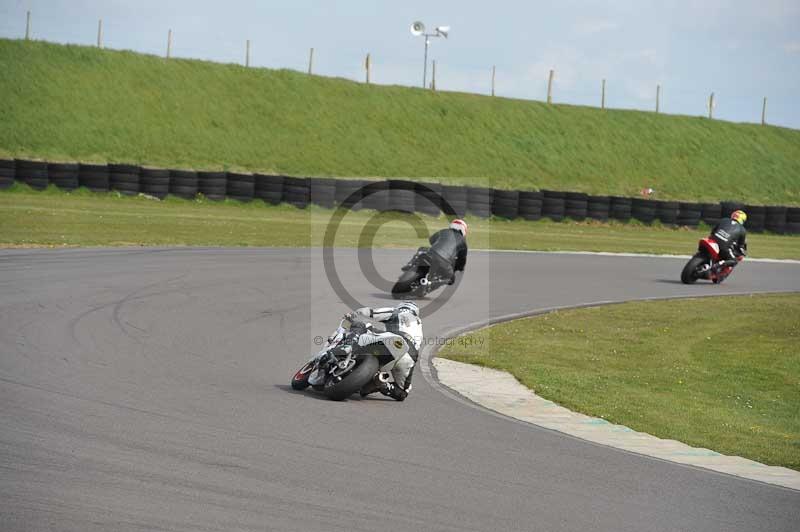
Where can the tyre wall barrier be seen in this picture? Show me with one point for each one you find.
(268, 188)
(123, 178)
(63, 175)
(756, 218)
(598, 207)
(576, 205)
(389, 195)
(505, 203)
(479, 201)
(689, 213)
(32, 173)
(553, 204)
(456, 198)
(376, 195)
(620, 208)
(93, 176)
(428, 198)
(348, 193)
(240, 187)
(775, 220)
(8, 170)
(212, 185)
(530, 205)
(322, 191)
(401, 196)
(154, 182)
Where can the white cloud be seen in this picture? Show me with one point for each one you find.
(792, 47)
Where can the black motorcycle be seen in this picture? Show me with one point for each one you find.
(416, 280)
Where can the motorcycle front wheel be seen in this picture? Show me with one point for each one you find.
(366, 367)
(689, 273)
(300, 379)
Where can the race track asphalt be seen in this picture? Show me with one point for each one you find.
(148, 389)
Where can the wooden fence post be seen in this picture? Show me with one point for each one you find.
(493, 72)
(550, 88)
(310, 61)
(28, 27)
(764, 112)
(603, 96)
(711, 106)
(169, 44)
(100, 33)
(367, 66)
(247, 54)
(658, 98)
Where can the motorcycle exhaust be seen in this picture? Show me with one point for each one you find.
(383, 376)
(424, 281)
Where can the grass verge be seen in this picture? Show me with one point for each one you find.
(80, 103)
(82, 218)
(729, 381)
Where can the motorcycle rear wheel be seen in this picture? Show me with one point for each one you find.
(366, 367)
(689, 273)
(404, 284)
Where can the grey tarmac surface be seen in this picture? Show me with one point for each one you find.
(147, 389)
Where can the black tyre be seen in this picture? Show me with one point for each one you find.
(365, 368)
(300, 379)
(403, 284)
(689, 273)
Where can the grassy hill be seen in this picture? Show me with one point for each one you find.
(80, 103)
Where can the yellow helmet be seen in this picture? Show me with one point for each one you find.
(739, 216)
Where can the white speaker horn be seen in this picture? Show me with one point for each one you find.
(417, 28)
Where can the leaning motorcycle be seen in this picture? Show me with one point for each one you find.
(706, 264)
(416, 280)
(352, 357)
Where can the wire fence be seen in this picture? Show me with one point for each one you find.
(488, 80)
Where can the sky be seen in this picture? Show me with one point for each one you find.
(741, 50)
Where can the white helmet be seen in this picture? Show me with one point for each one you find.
(409, 306)
(459, 225)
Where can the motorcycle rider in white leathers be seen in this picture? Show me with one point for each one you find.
(402, 320)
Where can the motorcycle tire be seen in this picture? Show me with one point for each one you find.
(300, 379)
(689, 273)
(366, 367)
(404, 283)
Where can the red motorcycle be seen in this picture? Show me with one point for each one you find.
(706, 264)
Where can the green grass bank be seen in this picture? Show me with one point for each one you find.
(82, 218)
(729, 381)
(80, 103)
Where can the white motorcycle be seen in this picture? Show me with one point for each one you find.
(353, 356)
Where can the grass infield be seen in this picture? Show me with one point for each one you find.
(721, 373)
(83, 218)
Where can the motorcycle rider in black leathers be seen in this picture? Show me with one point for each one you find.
(448, 251)
(730, 235)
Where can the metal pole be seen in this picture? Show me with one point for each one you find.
(310, 60)
(169, 44)
(100, 33)
(425, 68)
(764, 112)
(603, 97)
(550, 88)
(711, 106)
(28, 28)
(247, 55)
(658, 98)
(493, 70)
